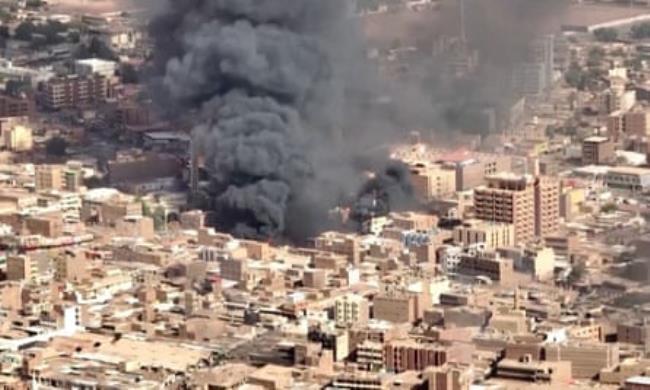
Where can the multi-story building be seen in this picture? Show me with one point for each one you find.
(49, 177)
(23, 267)
(405, 355)
(530, 204)
(73, 177)
(340, 243)
(74, 91)
(11, 106)
(508, 199)
(633, 333)
(636, 123)
(547, 206)
(487, 264)
(234, 269)
(370, 355)
(449, 377)
(351, 309)
(70, 268)
(18, 138)
(90, 66)
(395, 307)
(598, 151)
(616, 100)
(491, 235)
(628, 178)
(586, 359)
(432, 181)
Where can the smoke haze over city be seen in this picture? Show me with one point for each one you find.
(290, 112)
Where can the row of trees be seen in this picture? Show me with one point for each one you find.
(53, 32)
(638, 31)
(586, 78)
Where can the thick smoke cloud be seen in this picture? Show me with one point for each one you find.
(287, 108)
(283, 103)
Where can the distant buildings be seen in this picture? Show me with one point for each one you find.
(628, 178)
(598, 151)
(16, 106)
(76, 91)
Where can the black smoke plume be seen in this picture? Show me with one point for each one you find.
(284, 102)
(286, 105)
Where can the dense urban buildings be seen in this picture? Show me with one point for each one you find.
(505, 247)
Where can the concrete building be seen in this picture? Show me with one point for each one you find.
(75, 92)
(490, 235)
(396, 308)
(340, 243)
(47, 225)
(92, 66)
(399, 304)
(432, 181)
(450, 376)
(413, 221)
(472, 167)
(598, 151)
(193, 219)
(508, 199)
(351, 309)
(135, 166)
(315, 278)
(616, 100)
(73, 177)
(69, 268)
(635, 123)
(234, 269)
(536, 261)
(49, 177)
(628, 178)
(22, 267)
(633, 333)
(405, 355)
(12, 106)
(370, 355)
(556, 374)
(18, 138)
(135, 226)
(547, 205)
(487, 264)
(586, 359)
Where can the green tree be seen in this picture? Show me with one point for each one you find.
(96, 48)
(608, 208)
(595, 57)
(34, 3)
(575, 76)
(606, 35)
(24, 31)
(56, 146)
(158, 216)
(641, 31)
